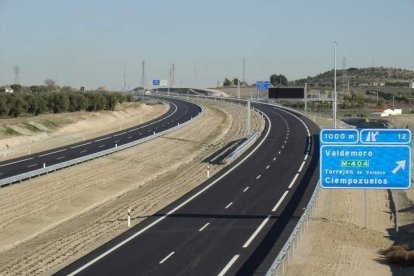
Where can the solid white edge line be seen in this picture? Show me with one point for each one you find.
(16, 162)
(109, 251)
(228, 205)
(119, 134)
(247, 243)
(306, 157)
(301, 166)
(293, 181)
(74, 147)
(228, 265)
(280, 201)
(205, 225)
(166, 258)
(52, 152)
(103, 139)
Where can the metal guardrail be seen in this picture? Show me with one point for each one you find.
(52, 168)
(278, 267)
(240, 149)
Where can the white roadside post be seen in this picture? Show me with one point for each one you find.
(129, 217)
(208, 171)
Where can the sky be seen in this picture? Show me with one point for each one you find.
(90, 42)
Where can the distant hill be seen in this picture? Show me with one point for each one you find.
(372, 76)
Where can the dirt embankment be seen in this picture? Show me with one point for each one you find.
(53, 220)
(21, 136)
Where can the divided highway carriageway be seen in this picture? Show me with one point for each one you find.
(235, 223)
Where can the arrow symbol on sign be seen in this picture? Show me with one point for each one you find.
(400, 165)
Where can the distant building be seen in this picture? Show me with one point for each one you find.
(386, 112)
(411, 84)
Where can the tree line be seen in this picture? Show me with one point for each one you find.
(18, 104)
(275, 80)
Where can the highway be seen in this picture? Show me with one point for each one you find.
(178, 113)
(233, 224)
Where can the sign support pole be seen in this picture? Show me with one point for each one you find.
(365, 208)
(396, 210)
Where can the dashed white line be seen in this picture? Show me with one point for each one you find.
(274, 159)
(268, 166)
(280, 201)
(117, 141)
(301, 166)
(258, 177)
(1, 173)
(166, 258)
(61, 157)
(129, 137)
(228, 205)
(293, 180)
(283, 146)
(245, 190)
(247, 243)
(32, 165)
(16, 162)
(102, 146)
(102, 139)
(205, 225)
(306, 157)
(83, 151)
(74, 147)
(51, 153)
(228, 265)
(279, 151)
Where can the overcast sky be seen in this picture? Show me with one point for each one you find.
(87, 42)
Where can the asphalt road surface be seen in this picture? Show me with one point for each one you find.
(233, 224)
(179, 112)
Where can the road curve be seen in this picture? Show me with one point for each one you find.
(233, 224)
(178, 113)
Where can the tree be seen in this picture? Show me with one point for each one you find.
(227, 82)
(16, 88)
(235, 81)
(277, 80)
(50, 84)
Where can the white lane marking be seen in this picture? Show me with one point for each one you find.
(245, 190)
(103, 139)
(283, 146)
(301, 166)
(140, 133)
(32, 165)
(247, 243)
(228, 265)
(228, 205)
(17, 162)
(279, 151)
(109, 251)
(61, 157)
(166, 258)
(1, 173)
(258, 177)
(306, 157)
(274, 159)
(293, 180)
(280, 201)
(120, 134)
(268, 166)
(74, 147)
(83, 151)
(52, 152)
(205, 225)
(117, 141)
(149, 130)
(102, 146)
(129, 137)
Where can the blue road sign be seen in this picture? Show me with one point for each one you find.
(155, 82)
(262, 85)
(366, 159)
